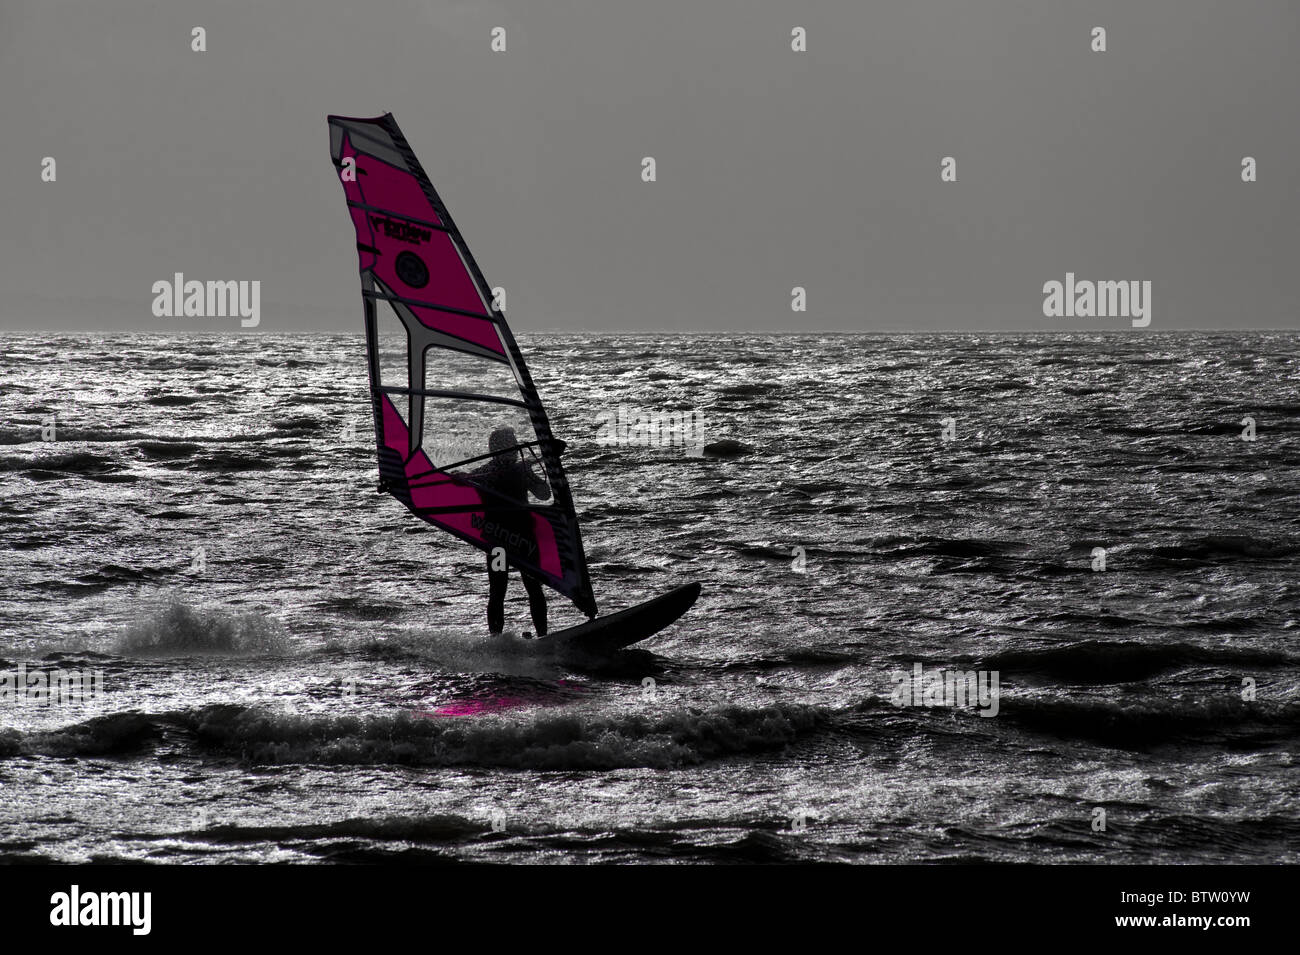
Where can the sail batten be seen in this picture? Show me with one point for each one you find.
(435, 306)
(462, 438)
(463, 395)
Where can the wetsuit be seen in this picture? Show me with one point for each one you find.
(509, 476)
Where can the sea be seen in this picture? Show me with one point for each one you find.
(220, 644)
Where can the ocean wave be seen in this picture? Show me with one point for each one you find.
(747, 390)
(1225, 545)
(69, 432)
(58, 462)
(437, 837)
(301, 425)
(20, 435)
(551, 741)
(172, 401)
(948, 547)
(110, 574)
(1139, 725)
(167, 450)
(113, 734)
(433, 828)
(1095, 661)
(179, 629)
(234, 461)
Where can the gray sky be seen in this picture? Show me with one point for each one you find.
(775, 168)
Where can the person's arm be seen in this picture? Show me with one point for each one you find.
(480, 476)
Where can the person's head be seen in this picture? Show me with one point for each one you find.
(502, 439)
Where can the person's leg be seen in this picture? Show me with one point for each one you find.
(536, 603)
(496, 608)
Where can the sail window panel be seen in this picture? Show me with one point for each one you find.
(394, 349)
(457, 439)
(452, 370)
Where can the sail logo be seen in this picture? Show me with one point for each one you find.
(1088, 299)
(953, 688)
(634, 427)
(402, 231)
(517, 543)
(74, 907)
(194, 299)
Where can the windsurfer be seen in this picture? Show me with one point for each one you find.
(510, 477)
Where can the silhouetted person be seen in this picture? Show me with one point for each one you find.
(509, 475)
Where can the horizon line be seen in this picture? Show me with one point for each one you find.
(360, 333)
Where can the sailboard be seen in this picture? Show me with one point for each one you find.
(453, 402)
(624, 628)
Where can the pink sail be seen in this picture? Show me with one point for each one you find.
(462, 438)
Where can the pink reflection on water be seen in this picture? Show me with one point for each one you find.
(482, 704)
